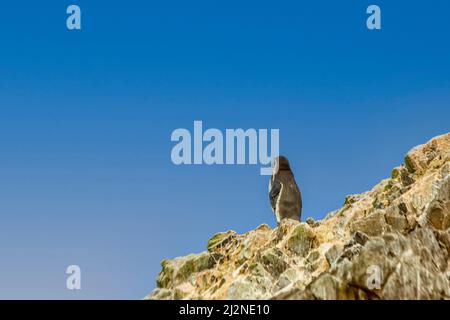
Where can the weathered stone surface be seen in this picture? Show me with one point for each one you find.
(179, 270)
(392, 242)
(301, 240)
(274, 262)
(333, 253)
(310, 221)
(220, 240)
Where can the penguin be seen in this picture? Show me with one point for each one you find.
(284, 194)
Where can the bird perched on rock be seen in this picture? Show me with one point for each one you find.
(284, 194)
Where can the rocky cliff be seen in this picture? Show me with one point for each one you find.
(392, 242)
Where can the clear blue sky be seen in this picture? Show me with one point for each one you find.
(86, 117)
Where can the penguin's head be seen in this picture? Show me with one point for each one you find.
(280, 163)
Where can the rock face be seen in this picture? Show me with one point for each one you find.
(392, 242)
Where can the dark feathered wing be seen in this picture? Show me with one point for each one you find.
(274, 192)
